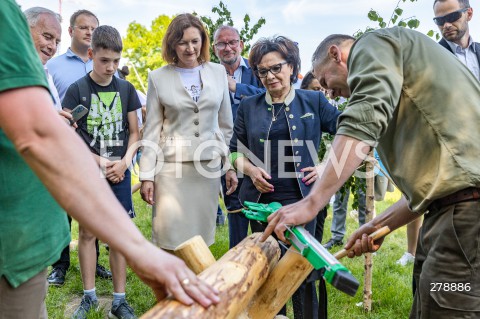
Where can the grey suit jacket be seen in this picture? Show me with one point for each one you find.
(444, 44)
(177, 129)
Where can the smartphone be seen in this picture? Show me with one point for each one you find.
(78, 112)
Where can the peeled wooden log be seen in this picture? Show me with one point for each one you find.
(237, 275)
(195, 253)
(283, 281)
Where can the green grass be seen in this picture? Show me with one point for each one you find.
(392, 296)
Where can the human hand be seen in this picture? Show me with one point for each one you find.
(147, 191)
(259, 178)
(232, 84)
(115, 171)
(361, 242)
(231, 181)
(67, 117)
(298, 213)
(311, 177)
(168, 275)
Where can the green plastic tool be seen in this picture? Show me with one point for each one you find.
(334, 272)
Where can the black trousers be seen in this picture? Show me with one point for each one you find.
(304, 300)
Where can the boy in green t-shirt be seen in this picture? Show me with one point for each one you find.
(109, 128)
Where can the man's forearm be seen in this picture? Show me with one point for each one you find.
(344, 158)
(64, 164)
(395, 216)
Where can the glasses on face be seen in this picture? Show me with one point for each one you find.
(274, 69)
(451, 17)
(223, 45)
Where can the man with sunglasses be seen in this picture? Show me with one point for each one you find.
(452, 17)
(242, 82)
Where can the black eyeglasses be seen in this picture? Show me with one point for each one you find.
(223, 45)
(274, 69)
(451, 17)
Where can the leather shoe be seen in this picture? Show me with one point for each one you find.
(332, 243)
(101, 272)
(57, 277)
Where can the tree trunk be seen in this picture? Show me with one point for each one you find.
(284, 280)
(237, 275)
(195, 253)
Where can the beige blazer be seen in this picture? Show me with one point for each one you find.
(178, 129)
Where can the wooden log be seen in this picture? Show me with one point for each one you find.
(284, 280)
(237, 275)
(369, 215)
(195, 254)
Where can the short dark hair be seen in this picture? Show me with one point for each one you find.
(321, 53)
(462, 3)
(108, 38)
(174, 35)
(284, 46)
(78, 13)
(32, 15)
(307, 79)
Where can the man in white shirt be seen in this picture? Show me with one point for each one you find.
(452, 17)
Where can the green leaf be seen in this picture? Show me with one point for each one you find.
(413, 23)
(398, 11)
(430, 33)
(373, 15)
(402, 24)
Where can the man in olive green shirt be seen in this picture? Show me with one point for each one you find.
(401, 101)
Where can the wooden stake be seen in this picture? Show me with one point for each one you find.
(237, 275)
(284, 280)
(196, 254)
(369, 215)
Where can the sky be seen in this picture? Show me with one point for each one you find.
(307, 22)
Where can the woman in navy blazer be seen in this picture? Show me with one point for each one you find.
(276, 139)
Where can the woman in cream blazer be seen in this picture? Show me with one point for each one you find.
(187, 130)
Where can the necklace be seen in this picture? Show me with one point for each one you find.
(275, 116)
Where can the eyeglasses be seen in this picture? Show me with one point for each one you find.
(274, 69)
(223, 45)
(451, 17)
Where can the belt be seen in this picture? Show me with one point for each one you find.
(467, 194)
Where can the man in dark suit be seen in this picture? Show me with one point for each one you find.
(242, 82)
(452, 17)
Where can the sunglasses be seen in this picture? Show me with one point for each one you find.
(451, 17)
(274, 69)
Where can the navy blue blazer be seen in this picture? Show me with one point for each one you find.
(308, 114)
(444, 44)
(250, 85)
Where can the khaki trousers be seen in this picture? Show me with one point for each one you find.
(27, 301)
(447, 261)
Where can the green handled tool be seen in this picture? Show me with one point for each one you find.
(335, 273)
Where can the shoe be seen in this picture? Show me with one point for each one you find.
(101, 272)
(332, 243)
(86, 305)
(220, 220)
(122, 311)
(57, 277)
(407, 258)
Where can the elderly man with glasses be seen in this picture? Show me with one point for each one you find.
(452, 17)
(242, 82)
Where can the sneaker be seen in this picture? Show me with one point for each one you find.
(102, 272)
(407, 258)
(86, 305)
(332, 243)
(57, 277)
(122, 311)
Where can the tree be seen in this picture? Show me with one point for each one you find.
(142, 48)
(225, 18)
